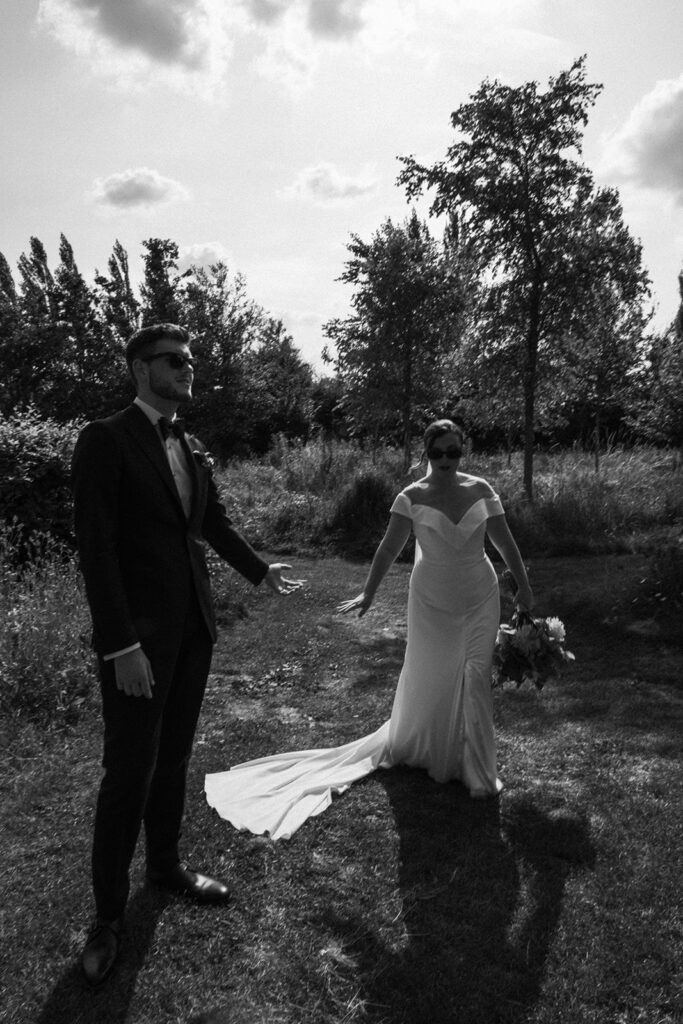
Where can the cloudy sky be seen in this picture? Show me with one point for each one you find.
(265, 132)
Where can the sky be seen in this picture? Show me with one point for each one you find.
(266, 132)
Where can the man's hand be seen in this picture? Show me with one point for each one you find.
(277, 582)
(134, 674)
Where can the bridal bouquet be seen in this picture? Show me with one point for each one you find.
(529, 649)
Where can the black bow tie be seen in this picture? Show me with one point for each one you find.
(167, 427)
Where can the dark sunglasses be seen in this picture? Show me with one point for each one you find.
(174, 359)
(438, 453)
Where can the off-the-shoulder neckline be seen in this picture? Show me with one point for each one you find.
(474, 504)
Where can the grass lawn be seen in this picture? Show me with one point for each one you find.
(406, 902)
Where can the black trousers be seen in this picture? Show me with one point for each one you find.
(147, 747)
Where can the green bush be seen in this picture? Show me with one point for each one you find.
(360, 515)
(47, 669)
(35, 460)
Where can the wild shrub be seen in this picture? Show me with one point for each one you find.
(35, 491)
(359, 516)
(47, 670)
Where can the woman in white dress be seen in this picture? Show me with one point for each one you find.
(442, 716)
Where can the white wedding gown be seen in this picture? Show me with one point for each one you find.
(442, 716)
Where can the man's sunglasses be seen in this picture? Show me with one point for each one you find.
(174, 359)
(437, 453)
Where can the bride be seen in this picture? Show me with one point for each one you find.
(442, 715)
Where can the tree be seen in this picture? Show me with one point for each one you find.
(160, 287)
(660, 416)
(119, 307)
(224, 323)
(278, 384)
(391, 354)
(511, 177)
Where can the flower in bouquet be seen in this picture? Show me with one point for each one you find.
(530, 649)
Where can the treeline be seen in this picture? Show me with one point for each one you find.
(62, 339)
(530, 316)
(527, 316)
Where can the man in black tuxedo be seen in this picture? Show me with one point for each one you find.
(145, 501)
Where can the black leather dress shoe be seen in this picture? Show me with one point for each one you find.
(101, 949)
(190, 883)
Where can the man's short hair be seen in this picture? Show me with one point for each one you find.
(145, 337)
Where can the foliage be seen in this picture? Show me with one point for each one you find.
(659, 416)
(277, 400)
(359, 516)
(35, 468)
(392, 354)
(46, 667)
(538, 227)
(623, 508)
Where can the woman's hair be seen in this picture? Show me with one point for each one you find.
(437, 429)
(440, 427)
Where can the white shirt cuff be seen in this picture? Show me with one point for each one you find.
(117, 654)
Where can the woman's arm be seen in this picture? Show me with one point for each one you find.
(390, 547)
(499, 533)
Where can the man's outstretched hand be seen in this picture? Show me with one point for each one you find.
(279, 583)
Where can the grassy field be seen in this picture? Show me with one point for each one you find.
(405, 903)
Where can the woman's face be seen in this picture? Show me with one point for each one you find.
(444, 452)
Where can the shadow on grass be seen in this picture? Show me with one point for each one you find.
(482, 887)
(74, 1001)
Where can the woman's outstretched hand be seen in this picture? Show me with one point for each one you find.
(362, 602)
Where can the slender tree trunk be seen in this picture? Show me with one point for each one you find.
(407, 406)
(530, 385)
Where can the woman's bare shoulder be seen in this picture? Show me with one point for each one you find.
(480, 488)
(414, 491)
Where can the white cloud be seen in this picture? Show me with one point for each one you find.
(136, 188)
(203, 254)
(137, 41)
(648, 150)
(326, 19)
(325, 184)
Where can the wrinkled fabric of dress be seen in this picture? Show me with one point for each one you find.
(442, 716)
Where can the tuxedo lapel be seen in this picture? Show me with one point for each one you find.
(145, 436)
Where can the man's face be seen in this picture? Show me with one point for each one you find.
(169, 374)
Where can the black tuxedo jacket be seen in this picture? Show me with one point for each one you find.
(141, 558)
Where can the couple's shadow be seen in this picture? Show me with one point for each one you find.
(73, 1001)
(481, 886)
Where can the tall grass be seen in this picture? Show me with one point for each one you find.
(317, 499)
(633, 502)
(46, 667)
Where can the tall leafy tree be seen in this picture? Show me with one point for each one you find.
(513, 177)
(36, 346)
(9, 329)
(660, 416)
(118, 304)
(225, 324)
(160, 288)
(278, 385)
(391, 354)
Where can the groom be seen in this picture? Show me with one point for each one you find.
(144, 502)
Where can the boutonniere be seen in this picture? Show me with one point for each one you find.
(204, 459)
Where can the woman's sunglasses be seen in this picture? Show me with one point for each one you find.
(174, 359)
(438, 453)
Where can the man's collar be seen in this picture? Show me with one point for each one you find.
(152, 414)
